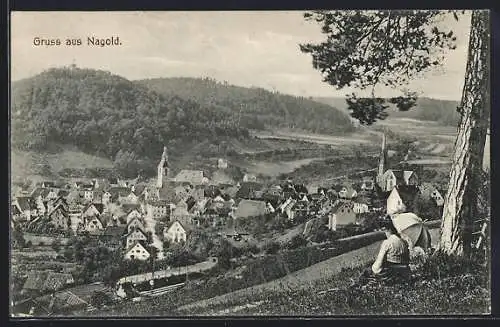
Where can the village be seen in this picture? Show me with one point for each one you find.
(146, 222)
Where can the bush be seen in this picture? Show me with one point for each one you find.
(442, 265)
(272, 248)
(100, 298)
(296, 241)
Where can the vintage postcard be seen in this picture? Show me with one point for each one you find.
(250, 163)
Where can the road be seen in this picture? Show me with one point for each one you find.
(149, 225)
(198, 267)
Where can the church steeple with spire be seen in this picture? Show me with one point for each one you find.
(382, 161)
(162, 168)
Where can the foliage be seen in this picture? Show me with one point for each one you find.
(129, 122)
(56, 244)
(272, 247)
(367, 48)
(255, 108)
(296, 242)
(100, 298)
(104, 113)
(366, 110)
(17, 236)
(441, 265)
(444, 285)
(426, 208)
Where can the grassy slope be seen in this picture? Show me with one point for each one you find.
(426, 296)
(27, 164)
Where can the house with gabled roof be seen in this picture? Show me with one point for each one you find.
(193, 177)
(94, 224)
(249, 178)
(361, 204)
(137, 251)
(48, 184)
(56, 281)
(175, 233)
(135, 223)
(401, 199)
(59, 217)
(287, 208)
(429, 191)
(132, 211)
(93, 209)
(181, 213)
(341, 214)
(347, 192)
(131, 198)
(392, 178)
(118, 192)
(135, 236)
(221, 177)
(113, 235)
(47, 281)
(27, 206)
(158, 209)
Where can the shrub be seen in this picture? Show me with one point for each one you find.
(441, 265)
(100, 298)
(272, 248)
(296, 241)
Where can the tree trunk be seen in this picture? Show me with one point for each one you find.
(461, 207)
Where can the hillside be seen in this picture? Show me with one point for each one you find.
(105, 114)
(108, 116)
(259, 108)
(442, 111)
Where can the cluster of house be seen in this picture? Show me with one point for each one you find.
(118, 210)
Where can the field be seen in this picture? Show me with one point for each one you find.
(39, 166)
(274, 169)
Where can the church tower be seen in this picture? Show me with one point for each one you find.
(162, 168)
(382, 161)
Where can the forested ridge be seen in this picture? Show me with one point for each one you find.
(130, 122)
(104, 113)
(254, 107)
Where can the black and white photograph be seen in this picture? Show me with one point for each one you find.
(320, 163)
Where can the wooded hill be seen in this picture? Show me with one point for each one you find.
(442, 111)
(256, 108)
(130, 122)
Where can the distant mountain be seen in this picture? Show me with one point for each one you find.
(442, 111)
(256, 108)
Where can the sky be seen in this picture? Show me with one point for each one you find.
(254, 48)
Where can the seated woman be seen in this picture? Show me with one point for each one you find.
(393, 259)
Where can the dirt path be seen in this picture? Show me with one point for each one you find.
(149, 225)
